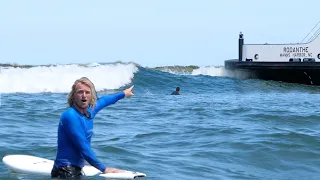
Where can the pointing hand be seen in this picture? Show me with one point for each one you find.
(128, 92)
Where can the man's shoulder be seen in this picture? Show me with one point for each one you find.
(68, 113)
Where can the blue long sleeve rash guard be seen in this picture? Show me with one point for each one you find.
(74, 135)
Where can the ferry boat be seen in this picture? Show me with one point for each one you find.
(293, 63)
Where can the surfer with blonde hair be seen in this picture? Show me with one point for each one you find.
(86, 81)
(75, 130)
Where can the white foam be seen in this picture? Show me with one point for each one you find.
(221, 71)
(59, 79)
(210, 71)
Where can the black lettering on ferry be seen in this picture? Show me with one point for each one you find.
(295, 49)
(299, 54)
(285, 55)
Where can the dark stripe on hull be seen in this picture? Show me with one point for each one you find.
(293, 72)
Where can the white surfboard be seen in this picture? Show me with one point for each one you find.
(41, 166)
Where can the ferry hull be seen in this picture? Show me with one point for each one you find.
(292, 72)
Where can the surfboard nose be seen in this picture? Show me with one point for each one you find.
(9, 158)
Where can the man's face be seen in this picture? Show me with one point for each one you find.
(82, 96)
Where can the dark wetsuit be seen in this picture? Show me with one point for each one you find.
(175, 93)
(74, 138)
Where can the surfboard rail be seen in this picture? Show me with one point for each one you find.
(41, 166)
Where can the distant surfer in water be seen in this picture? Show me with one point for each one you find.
(75, 130)
(176, 92)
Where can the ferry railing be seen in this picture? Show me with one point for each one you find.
(314, 35)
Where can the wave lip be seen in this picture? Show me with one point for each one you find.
(218, 71)
(59, 78)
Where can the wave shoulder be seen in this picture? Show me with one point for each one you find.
(176, 68)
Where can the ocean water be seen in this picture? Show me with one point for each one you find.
(220, 128)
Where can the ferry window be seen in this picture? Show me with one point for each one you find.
(309, 60)
(294, 60)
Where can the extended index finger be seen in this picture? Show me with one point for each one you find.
(130, 88)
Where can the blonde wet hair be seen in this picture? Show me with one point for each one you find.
(86, 81)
